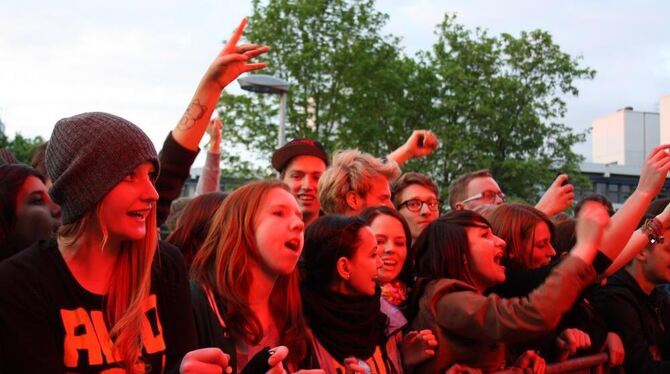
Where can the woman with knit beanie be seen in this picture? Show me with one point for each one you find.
(107, 296)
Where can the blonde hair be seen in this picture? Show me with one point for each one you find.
(351, 171)
(130, 282)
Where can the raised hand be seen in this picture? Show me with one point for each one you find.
(420, 144)
(231, 62)
(558, 197)
(570, 341)
(591, 223)
(418, 346)
(226, 67)
(214, 132)
(205, 361)
(654, 170)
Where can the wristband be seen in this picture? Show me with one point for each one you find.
(654, 230)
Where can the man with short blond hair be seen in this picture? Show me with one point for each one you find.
(355, 181)
(474, 189)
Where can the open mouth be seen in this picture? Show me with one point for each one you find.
(390, 262)
(498, 259)
(138, 214)
(293, 244)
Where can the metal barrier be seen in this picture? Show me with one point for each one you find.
(594, 364)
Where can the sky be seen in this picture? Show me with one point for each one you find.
(143, 59)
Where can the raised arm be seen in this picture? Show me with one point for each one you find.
(652, 178)
(491, 318)
(420, 144)
(181, 147)
(558, 197)
(230, 63)
(637, 242)
(211, 172)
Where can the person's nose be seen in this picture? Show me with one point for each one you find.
(424, 211)
(149, 193)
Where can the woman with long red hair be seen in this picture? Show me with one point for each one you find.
(245, 293)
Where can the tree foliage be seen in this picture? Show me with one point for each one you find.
(495, 101)
(22, 148)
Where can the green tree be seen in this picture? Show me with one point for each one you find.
(22, 148)
(495, 101)
(501, 100)
(351, 86)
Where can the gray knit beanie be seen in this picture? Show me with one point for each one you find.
(90, 153)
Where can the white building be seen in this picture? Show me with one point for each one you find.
(664, 107)
(626, 136)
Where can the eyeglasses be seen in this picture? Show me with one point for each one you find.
(486, 195)
(415, 205)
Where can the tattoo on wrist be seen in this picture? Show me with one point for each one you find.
(193, 113)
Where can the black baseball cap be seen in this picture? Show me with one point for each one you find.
(298, 147)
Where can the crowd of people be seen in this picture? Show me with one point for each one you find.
(340, 265)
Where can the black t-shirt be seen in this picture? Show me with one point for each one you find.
(50, 324)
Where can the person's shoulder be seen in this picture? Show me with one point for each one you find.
(30, 260)
(29, 268)
(169, 250)
(447, 285)
(169, 264)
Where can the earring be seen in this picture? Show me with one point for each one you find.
(347, 277)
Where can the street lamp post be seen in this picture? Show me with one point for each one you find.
(261, 83)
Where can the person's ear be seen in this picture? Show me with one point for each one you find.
(643, 254)
(459, 206)
(353, 200)
(343, 267)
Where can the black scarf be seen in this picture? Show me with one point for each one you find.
(345, 325)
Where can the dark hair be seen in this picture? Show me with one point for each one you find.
(409, 179)
(194, 222)
(406, 273)
(443, 246)
(515, 224)
(12, 177)
(598, 198)
(326, 240)
(565, 237)
(441, 250)
(654, 209)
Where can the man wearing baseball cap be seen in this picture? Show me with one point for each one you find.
(300, 164)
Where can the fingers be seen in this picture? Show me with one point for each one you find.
(352, 365)
(257, 66)
(412, 336)
(657, 152)
(279, 353)
(251, 53)
(236, 35)
(205, 360)
(429, 338)
(560, 180)
(615, 349)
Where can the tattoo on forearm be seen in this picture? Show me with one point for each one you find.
(193, 113)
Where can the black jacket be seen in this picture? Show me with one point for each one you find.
(639, 319)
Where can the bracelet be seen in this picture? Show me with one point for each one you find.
(654, 230)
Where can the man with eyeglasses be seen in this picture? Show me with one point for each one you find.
(416, 198)
(479, 188)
